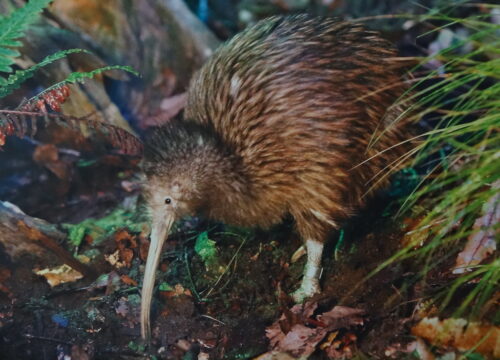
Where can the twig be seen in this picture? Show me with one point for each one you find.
(193, 287)
(227, 267)
(213, 319)
(43, 338)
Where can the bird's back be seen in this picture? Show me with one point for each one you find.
(299, 99)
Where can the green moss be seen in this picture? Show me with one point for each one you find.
(206, 250)
(100, 229)
(165, 287)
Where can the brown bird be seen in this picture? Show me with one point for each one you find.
(281, 120)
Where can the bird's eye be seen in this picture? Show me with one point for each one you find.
(168, 201)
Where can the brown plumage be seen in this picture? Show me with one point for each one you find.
(281, 120)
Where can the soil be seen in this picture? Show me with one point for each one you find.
(220, 307)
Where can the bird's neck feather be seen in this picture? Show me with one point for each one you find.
(226, 185)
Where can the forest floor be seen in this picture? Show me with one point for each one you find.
(219, 287)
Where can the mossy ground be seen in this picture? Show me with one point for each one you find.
(218, 296)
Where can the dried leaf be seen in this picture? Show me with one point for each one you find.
(114, 259)
(481, 243)
(342, 316)
(128, 280)
(82, 352)
(124, 239)
(167, 291)
(461, 335)
(122, 307)
(275, 355)
(44, 154)
(126, 255)
(59, 275)
(26, 123)
(203, 356)
(342, 348)
(297, 333)
(113, 283)
(5, 275)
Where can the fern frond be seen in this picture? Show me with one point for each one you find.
(13, 26)
(15, 80)
(80, 77)
(27, 123)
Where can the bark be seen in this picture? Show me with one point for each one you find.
(20, 233)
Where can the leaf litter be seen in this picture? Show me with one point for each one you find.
(298, 332)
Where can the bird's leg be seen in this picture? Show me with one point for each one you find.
(310, 281)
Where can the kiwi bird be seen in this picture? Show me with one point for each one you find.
(280, 121)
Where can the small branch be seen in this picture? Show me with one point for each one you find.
(189, 28)
(43, 338)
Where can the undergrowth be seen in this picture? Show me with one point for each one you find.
(460, 163)
(12, 28)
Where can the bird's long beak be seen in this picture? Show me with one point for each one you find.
(162, 222)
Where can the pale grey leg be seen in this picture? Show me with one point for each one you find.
(310, 281)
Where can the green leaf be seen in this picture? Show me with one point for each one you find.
(76, 234)
(136, 347)
(85, 163)
(205, 247)
(13, 27)
(12, 43)
(80, 76)
(165, 287)
(15, 80)
(474, 356)
(9, 52)
(101, 228)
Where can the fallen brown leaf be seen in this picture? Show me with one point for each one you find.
(82, 352)
(4, 276)
(48, 155)
(178, 291)
(59, 275)
(126, 255)
(461, 335)
(113, 283)
(124, 240)
(121, 307)
(275, 355)
(45, 153)
(481, 243)
(128, 280)
(298, 334)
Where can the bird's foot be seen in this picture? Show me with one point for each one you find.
(308, 288)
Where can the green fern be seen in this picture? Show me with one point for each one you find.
(16, 79)
(13, 26)
(80, 77)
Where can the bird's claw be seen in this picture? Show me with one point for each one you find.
(308, 288)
